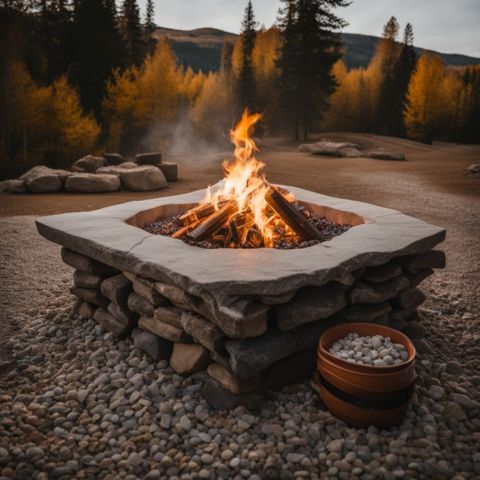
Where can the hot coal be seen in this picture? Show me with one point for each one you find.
(328, 229)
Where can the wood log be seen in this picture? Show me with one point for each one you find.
(291, 216)
(214, 222)
(184, 230)
(200, 211)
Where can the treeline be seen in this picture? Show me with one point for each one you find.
(402, 95)
(78, 77)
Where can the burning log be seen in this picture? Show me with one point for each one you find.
(291, 216)
(214, 222)
(201, 211)
(185, 229)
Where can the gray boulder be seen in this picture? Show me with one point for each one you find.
(13, 186)
(332, 149)
(384, 154)
(113, 158)
(92, 183)
(89, 163)
(42, 179)
(143, 178)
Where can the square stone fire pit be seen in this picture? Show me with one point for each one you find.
(250, 317)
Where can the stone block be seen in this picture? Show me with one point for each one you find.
(382, 273)
(86, 264)
(306, 337)
(203, 331)
(117, 289)
(90, 295)
(164, 330)
(364, 312)
(113, 158)
(231, 382)
(123, 315)
(148, 158)
(169, 314)
(363, 292)
(170, 170)
(417, 276)
(178, 297)
(251, 356)
(144, 287)
(86, 280)
(310, 304)
(110, 323)
(409, 299)
(290, 370)
(188, 358)
(83, 309)
(221, 399)
(430, 259)
(138, 304)
(157, 348)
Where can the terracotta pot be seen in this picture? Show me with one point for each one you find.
(360, 413)
(364, 395)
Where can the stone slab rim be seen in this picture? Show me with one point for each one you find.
(106, 236)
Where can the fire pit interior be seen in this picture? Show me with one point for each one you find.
(251, 317)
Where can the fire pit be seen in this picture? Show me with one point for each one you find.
(250, 316)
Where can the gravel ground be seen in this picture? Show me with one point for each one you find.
(75, 403)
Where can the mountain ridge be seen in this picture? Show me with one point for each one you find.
(200, 48)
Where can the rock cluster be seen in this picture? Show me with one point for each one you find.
(370, 350)
(346, 149)
(272, 344)
(92, 174)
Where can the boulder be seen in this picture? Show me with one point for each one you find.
(164, 330)
(86, 280)
(123, 315)
(332, 149)
(148, 158)
(385, 154)
(13, 186)
(113, 158)
(220, 398)
(138, 304)
(156, 347)
(90, 295)
(111, 170)
(89, 164)
(170, 170)
(117, 289)
(110, 323)
(309, 304)
(188, 358)
(204, 332)
(42, 179)
(92, 183)
(144, 178)
(86, 264)
(231, 382)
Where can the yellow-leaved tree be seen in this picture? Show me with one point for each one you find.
(423, 113)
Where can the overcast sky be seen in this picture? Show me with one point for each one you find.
(450, 26)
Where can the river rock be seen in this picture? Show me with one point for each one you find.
(363, 292)
(91, 295)
(144, 178)
(117, 289)
(164, 330)
(231, 382)
(89, 164)
(92, 183)
(156, 347)
(309, 304)
(204, 332)
(86, 264)
(110, 323)
(13, 186)
(188, 358)
(123, 315)
(138, 304)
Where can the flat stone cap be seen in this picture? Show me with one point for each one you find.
(106, 236)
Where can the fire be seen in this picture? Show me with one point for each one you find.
(245, 184)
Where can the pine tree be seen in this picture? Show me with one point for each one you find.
(226, 57)
(246, 81)
(132, 33)
(149, 27)
(96, 50)
(311, 46)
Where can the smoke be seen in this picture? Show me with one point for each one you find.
(182, 140)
